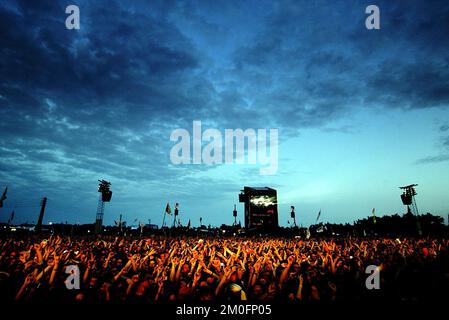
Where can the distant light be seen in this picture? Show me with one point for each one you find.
(50, 223)
(13, 229)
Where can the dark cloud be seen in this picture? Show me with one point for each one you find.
(444, 146)
(98, 102)
(418, 85)
(446, 142)
(433, 159)
(324, 56)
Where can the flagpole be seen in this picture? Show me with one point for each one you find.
(11, 218)
(175, 214)
(318, 217)
(163, 219)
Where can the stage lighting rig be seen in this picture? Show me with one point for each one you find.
(104, 189)
(105, 196)
(408, 199)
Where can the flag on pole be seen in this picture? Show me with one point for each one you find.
(318, 217)
(374, 215)
(168, 209)
(11, 218)
(3, 197)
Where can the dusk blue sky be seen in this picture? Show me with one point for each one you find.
(359, 112)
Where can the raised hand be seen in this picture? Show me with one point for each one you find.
(30, 279)
(197, 276)
(257, 267)
(160, 282)
(22, 258)
(227, 273)
(105, 287)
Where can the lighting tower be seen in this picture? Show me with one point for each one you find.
(408, 199)
(105, 196)
(234, 214)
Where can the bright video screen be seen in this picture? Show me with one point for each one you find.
(263, 209)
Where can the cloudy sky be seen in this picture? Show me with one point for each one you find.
(359, 112)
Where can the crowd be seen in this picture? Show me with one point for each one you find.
(160, 269)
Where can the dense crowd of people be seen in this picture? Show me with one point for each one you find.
(160, 269)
